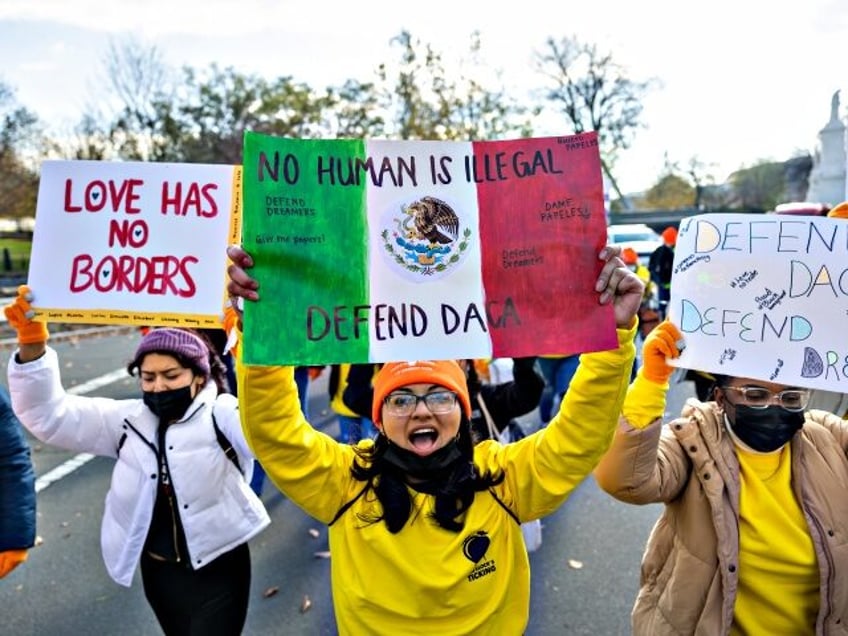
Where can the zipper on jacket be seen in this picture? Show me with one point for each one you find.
(168, 488)
(174, 532)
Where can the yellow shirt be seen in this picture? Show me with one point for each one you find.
(336, 402)
(425, 579)
(778, 589)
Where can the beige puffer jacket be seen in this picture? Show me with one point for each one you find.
(689, 568)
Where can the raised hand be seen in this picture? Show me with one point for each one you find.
(665, 341)
(19, 313)
(618, 285)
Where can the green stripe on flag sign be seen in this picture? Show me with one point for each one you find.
(308, 239)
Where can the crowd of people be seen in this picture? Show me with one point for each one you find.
(431, 479)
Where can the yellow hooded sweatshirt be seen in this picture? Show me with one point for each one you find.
(425, 579)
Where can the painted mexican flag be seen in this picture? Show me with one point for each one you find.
(374, 250)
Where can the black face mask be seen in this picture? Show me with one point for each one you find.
(767, 429)
(428, 467)
(169, 405)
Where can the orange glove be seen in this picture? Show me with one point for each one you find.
(664, 341)
(10, 559)
(19, 315)
(232, 325)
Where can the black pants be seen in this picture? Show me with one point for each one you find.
(209, 601)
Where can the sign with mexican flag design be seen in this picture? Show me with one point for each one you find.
(374, 250)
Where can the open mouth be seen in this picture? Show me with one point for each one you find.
(423, 439)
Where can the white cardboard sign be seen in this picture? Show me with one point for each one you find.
(764, 296)
(133, 242)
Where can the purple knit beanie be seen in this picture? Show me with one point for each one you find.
(176, 342)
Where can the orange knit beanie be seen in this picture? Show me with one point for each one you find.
(393, 375)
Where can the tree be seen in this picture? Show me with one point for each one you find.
(758, 188)
(797, 177)
(88, 140)
(671, 192)
(699, 179)
(19, 135)
(200, 115)
(423, 101)
(595, 94)
(193, 115)
(221, 104)
(354, 111)
(143, 91)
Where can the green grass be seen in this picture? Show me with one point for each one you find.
(19, 250)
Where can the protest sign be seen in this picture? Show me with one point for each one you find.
(368, 251)
(763, 296)
(133, 243)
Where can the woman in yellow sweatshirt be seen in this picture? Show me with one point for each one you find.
(424, 526)
(753, 538)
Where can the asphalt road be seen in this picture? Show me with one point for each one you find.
(584, 576)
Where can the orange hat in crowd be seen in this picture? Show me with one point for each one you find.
(840, 211)
(629, 256)
(669, 235)
(393, 375)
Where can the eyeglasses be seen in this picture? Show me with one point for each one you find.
(757, 397)
(403, 404)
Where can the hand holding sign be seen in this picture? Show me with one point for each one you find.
(20, 313)
(664, 342)
(619, 286)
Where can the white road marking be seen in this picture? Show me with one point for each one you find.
(96, 383)
(66, 468)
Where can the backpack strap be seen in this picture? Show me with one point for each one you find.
(504, 506)
(225, 444)
(490, 422)
(347, 506)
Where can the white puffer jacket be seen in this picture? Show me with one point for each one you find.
(218, 509)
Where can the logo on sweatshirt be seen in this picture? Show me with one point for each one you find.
(474, 548)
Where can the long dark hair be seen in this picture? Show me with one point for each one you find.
(719, 382)
(454, 491)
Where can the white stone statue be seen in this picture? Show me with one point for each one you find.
(834, 107)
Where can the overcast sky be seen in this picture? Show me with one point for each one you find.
(741, 80)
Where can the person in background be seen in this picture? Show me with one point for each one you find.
(631, 259)
(752, 536)
(498, 371)
(217, 337)
(660, 266)
(494, 407)
(17, 491)
(649, 316)
(839, 211)
(424, 526)
(557, 372)
(356, 396)
(352, 426)
(179, 504)
(302, 377)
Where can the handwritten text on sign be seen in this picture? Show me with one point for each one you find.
(371, 250)
(764, 296)
(132, 236)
